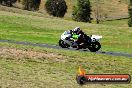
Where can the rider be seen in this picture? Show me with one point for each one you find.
(72, 35)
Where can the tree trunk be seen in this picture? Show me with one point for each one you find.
(97, 12)
(41, 6)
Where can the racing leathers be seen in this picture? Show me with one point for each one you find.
(70, 37)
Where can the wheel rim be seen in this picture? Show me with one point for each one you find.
(62, 44)
(94, 46)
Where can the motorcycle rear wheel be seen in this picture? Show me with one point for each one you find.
(94, 46)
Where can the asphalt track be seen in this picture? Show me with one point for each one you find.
(57, 47)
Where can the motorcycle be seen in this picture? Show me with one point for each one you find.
(85, 42)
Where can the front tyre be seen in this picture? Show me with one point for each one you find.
(63, 44)
(94, 46)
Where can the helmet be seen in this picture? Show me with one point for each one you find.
(77, 29)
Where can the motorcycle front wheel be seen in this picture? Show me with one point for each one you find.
(63, 44)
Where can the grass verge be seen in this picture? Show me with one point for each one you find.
(27, 66)
(29, 28)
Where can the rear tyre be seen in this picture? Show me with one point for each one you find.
(94, 46)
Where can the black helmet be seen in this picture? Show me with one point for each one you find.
(76, 29)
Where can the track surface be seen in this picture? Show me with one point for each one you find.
(57, 47)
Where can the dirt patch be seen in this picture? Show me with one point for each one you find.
(28, 53)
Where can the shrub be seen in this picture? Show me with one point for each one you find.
(31, 4)
(57, 8)
(82, 11)
(7, 2)
(130, 14)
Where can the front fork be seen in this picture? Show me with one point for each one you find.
(68, 42)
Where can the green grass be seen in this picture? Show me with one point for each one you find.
(56, 71)
(26, 32)
(117, 23)
(29, 28)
